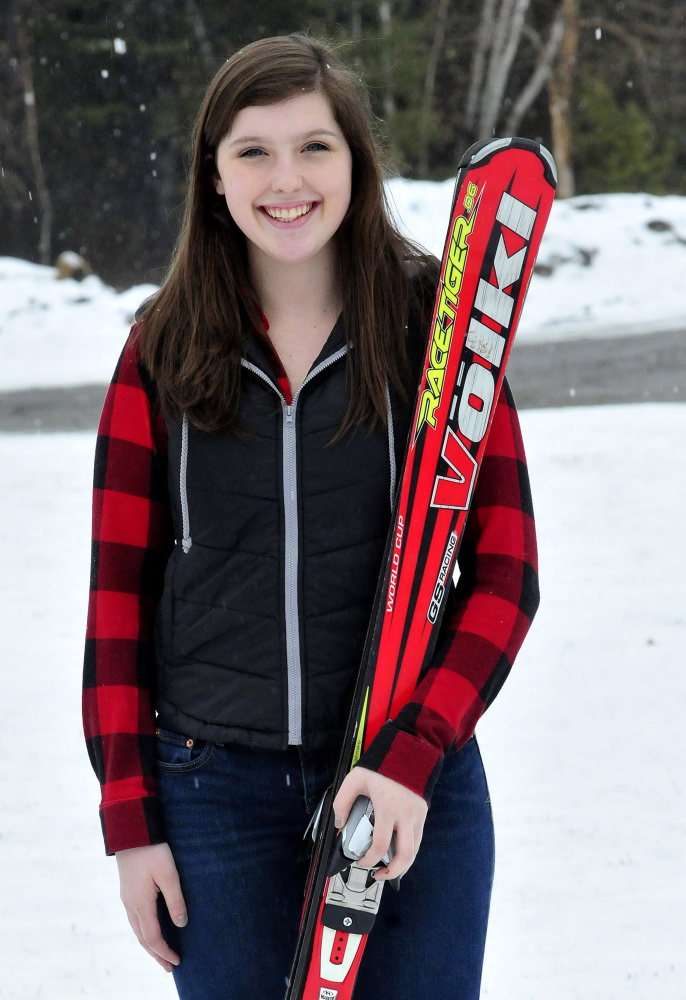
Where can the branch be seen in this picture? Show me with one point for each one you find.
(634, 43)
(533, 37)
(663, 34)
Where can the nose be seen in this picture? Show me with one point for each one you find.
(286, 177)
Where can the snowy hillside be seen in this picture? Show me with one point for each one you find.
(584, 747)
(608, 265)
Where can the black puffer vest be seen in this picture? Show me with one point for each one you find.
(280, 536)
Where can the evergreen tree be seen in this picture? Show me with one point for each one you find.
(614, 145)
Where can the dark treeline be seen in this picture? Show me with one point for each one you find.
(97, 101)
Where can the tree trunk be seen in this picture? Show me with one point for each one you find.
(355, 22)
(429, 85)
(385, 17)
(483, 44)
(44, 201)
(560, 92)
(356, 34)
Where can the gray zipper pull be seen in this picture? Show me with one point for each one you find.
(289, 414)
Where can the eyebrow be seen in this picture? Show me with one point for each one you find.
(306, 135)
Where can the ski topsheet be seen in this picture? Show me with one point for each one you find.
(503, 195)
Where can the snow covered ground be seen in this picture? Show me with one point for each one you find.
(584, 747)
(614, 264)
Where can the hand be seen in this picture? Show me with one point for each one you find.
(395, 808)
(143, 873)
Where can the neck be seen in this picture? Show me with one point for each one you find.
(288, 290)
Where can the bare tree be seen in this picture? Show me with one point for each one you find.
(385, 17)
(31, 118)
(506, 38)
(430, 84)
(499, 34)
(476, 82)
(541, 73)
(560, 92)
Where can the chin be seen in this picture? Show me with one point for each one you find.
(293, 256)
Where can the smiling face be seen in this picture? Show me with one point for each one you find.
(285, 171)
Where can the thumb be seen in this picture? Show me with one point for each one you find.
(345, 799)
(170, 887)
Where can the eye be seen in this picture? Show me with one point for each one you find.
(252, 153)
(316, 146)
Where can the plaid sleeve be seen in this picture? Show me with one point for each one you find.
(491, 610)
(132, 539)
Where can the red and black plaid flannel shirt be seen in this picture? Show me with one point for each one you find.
(495, 602)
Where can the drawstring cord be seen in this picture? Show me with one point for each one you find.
(391, 443)
(185, 521)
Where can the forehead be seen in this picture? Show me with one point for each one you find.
(286, 120)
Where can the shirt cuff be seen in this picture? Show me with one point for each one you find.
(407, 759)
(132, 823)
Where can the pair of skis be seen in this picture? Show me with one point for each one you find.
(503, 195)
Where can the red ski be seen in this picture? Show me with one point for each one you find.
(503, 195)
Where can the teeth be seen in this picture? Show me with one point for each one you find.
(288, 214)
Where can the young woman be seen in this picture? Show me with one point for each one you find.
(244, 479)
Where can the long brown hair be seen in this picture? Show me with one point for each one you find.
(191, 334)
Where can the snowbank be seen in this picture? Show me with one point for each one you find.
(609, 265)
(584, 746)
(60, 332)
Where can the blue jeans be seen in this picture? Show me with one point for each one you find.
(235, 820)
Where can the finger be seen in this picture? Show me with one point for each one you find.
(170, 887)
(152, 937)
(136, 927)
(418, 835)
(383, 831)
(404, 855)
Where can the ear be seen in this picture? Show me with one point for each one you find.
(216, 179)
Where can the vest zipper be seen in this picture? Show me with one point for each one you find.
(290, 498)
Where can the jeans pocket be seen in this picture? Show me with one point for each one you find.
(177, 753)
